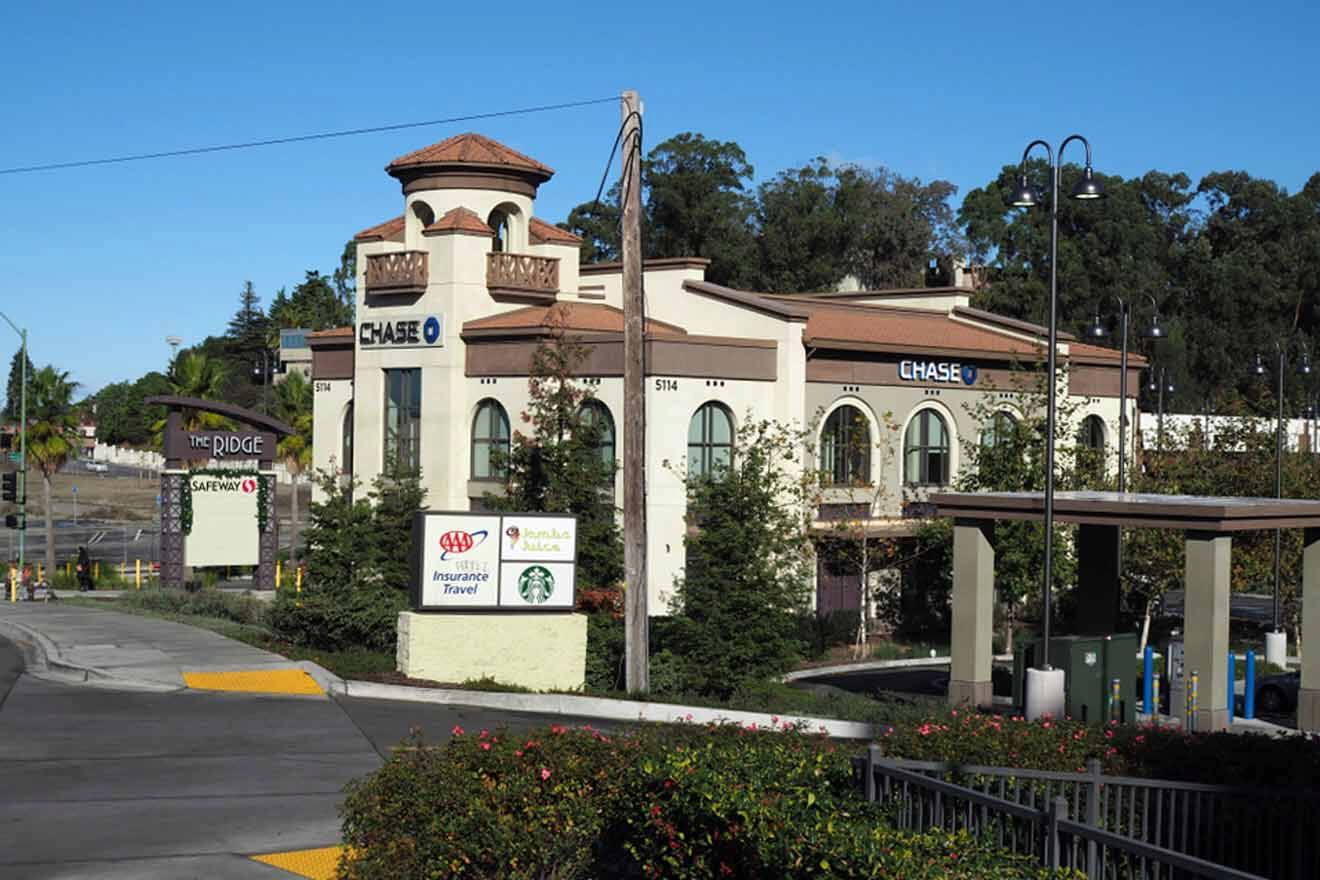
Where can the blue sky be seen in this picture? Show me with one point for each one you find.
(102, 263)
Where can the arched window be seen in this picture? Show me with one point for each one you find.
(346, 445)
(597, 415)
(710, 440)
(1002, 428)
(490, 441)
(422, 211)
(498, 221)
(926, 450)
(1092, 434)
(845, 447)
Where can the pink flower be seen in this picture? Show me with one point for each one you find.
(545, 773)
(483, 734)
(518, 753)
(1139, 738)
(457, 731)
(485, 747)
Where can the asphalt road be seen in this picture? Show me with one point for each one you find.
(102, 783)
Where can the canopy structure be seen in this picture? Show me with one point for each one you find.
(1208, 524)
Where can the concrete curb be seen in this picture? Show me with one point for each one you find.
(592, 707)
(42, 659)
(873, 665)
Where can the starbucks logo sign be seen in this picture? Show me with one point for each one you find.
(536, 584)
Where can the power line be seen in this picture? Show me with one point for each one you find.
(270, 142)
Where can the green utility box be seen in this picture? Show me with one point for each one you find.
(1090, 664)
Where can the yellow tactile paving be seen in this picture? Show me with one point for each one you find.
(256, 681)
(315, 864)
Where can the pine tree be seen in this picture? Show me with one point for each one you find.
(14, 390)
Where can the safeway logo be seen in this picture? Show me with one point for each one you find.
(248, 486)
(458, 542)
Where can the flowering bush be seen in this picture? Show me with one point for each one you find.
(688, 802)
(1135, 750)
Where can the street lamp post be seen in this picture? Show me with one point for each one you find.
(1159, 384)
(22, 439)
(1045, 693)
(261, 371)
(1276, 642)
(1097, 331)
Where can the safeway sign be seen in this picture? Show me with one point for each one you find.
(225, 528)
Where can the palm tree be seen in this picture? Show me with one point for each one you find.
(195, 375)
(293, 404)
(52, 436)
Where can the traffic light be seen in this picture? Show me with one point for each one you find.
(6, 440)
(9, 486)
(16, 521)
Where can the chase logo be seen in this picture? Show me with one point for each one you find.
(968, 374)
(431, 330)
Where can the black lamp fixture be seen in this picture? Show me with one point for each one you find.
(1025, 196)
(1088, 187)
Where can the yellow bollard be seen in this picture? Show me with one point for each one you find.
(96, 570)
(137, 572)
(299, 581)
(41, 573)
(13, 585)
(123, 571)
(277, 574)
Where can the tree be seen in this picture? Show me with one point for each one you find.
(749, 568)
(801, 235)
(197, 375)
(597, 224)
(14, 388)
(294, 407)
(345, 280)
(313, 304)
(562, 465)
(52, 437)
(895, 226)
(247, 329)
(396, 496)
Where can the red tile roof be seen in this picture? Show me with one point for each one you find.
(902, 328)
(459, 220)
(334, 332)
(542, 232)
(382, 231)
(584, 317)
(471, 149)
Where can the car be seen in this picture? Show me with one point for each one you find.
(1276, 694)
(99, 467)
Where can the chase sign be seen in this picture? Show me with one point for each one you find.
(946, 372)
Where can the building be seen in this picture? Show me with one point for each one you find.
(294, 355)
(454, 295)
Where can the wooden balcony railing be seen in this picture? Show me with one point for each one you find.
(397, 272)
(522, 273)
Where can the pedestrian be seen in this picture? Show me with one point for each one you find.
(84, 570)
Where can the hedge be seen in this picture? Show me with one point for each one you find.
(698, 802)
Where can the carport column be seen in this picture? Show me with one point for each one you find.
(1308, 698)
(973, 612)
(1097, 580)
(1205, 616)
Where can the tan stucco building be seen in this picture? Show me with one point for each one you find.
(455, 294)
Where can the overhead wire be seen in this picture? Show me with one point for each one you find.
(324, 135)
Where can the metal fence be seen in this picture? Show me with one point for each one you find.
(1107, 826)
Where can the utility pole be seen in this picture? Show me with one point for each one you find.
(636, 620)
(22, 440)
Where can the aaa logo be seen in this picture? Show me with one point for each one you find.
(536, 584)
(458, 542)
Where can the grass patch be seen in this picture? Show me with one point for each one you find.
(907, 650)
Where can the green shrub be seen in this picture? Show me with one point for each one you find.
(698, 802)
(238, 607)
(820, 632)
(605, 645)
(335, 620)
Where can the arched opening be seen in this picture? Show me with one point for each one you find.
(346, 442)
(845, 447)
(423, 212)
(1001, 430)
(710, 441)
(1091, 448)
(490, 441)
(596, 417)
(498, 221)
(926, 450)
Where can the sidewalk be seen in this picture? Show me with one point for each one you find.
(89, 644)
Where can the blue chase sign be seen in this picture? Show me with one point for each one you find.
(937, 371)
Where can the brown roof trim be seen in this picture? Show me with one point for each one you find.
(1111, 357)
(895, 292)
(537, 315)
(471, 177)
(766, 305)
(333, 333)
(382, 231)
(1007, 323)
(547, 233)
(657, 263)
(974, 354)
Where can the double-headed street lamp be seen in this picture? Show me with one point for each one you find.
(1050, 685)
(1098, 331)
(1159, 383)
(1282, 348)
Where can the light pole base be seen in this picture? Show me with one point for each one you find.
(1276, 648)
(1045, 694)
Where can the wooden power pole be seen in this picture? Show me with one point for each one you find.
(636, 621)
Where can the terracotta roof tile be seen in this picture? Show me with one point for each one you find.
(382, 231)
(903, 328)
(459, 220)
(470, 149)
(584, 317)
(332, 333)
(542, 232)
